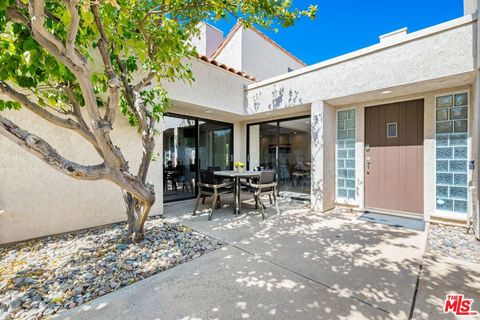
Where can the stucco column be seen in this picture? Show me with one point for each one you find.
(240, 142)
(429, 156)
(323, 156)
(360, 156)
(475, 203)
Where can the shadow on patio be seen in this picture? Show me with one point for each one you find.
(295, 264)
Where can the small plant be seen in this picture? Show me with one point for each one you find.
(239, 164)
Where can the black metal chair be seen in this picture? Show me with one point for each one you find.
(266, 185)
(208, 186)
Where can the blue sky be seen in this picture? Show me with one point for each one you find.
(344, 26)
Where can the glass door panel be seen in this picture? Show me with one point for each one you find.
(285, 147)
(294, 154)
(215, 145)
(179, 154)
(263, 146)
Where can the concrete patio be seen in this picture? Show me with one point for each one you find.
(295, 265)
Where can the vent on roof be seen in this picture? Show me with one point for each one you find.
(394, 35)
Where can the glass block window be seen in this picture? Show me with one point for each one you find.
(346, 154)
(452, 153)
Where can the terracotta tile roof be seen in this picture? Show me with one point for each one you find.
(261, 34)
(224, 66)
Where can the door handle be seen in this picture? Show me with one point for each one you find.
(368, 162)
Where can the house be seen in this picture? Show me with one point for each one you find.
(393, 127)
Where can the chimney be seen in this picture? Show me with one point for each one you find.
(209, 39)
(470, 6)
(394, 35)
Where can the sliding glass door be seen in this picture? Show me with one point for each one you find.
(189, 145)
(294, 154)
(285, 147)
(179, 158)
(215, 145)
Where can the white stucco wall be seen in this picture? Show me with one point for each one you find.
(40, 201)
(231, 54)
(323, 156)
(432, 53)
(208, 40)
(262, 59)
(470, 6)
(250, 52)
(213, 88)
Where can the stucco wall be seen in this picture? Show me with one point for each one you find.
(208, 40)
(436, 52)
(248, 51)
(231, 54)
(262, 59)
(323, 156)
(213, 88)
(40, 201)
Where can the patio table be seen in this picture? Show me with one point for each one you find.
(237, 176)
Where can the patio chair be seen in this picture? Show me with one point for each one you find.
(208, 186)
(266, 185)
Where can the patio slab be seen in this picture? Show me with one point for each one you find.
(224, 225)
(375, 263)
(296, 264)
(443, 275)
(227, 284)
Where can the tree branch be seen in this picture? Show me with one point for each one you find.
(48, 116)
(77, 112)
(113, 83)
(45, 152)
(73, 29)
(78, 66)
(145, 81)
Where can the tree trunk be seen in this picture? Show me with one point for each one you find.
(137, 213)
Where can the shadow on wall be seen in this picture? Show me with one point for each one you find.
(317, 150)
(280, 99)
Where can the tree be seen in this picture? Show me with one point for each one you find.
(76, 63)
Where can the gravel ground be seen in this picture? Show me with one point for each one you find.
(42, 277)
(454, 242)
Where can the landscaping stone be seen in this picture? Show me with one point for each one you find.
(454, 242)
(40, 278)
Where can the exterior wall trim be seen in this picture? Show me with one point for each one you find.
(452, 24)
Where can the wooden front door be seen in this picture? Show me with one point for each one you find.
(394, 157)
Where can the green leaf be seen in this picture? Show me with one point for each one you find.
(88, 19)
(30, 44)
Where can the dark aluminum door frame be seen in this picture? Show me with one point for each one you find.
(197, 138)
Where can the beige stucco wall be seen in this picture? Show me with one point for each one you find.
(40, 201)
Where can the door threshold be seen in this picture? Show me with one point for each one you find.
(403, 214)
